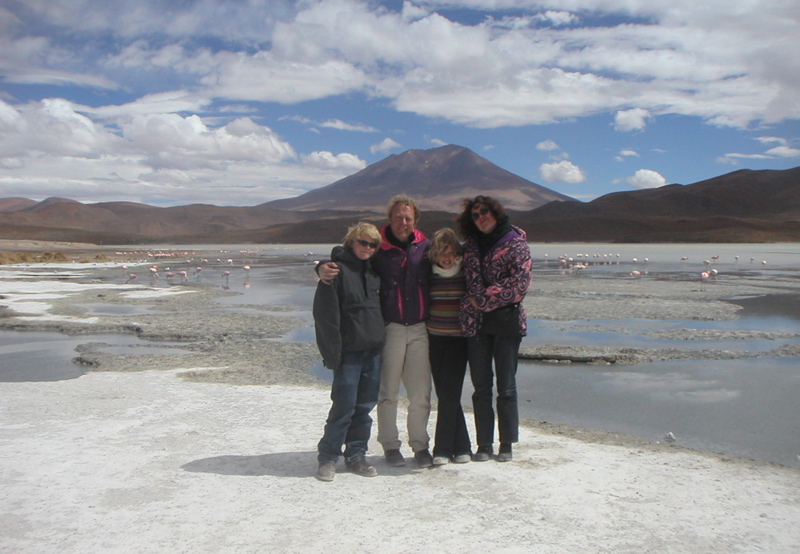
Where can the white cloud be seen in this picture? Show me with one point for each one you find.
(547, 145)
(626, 153)
(385, 145)
(343, 126)
(647, 179)
(631, 120)
(784, 152)
(563, 171)
(771, 140)
(328, 160)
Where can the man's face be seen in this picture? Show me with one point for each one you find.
(402, 221)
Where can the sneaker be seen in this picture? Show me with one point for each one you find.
(483, 454)
(423, 458)
(441, 460)
(505, 454)
(461, 458)
(326, 471)
(394, 458)
(361, 467)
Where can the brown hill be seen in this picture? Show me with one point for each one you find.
(14, 204)
(743, 206)
(439, 178)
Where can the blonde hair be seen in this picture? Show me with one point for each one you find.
(405, 200)
(441, 240)
(362, 229)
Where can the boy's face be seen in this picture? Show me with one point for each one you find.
(364, 248)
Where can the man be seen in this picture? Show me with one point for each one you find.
(404, 269)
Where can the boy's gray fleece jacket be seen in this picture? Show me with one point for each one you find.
(347, 313)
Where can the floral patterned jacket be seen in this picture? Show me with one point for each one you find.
(500, 279)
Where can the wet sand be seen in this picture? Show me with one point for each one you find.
(153, 453)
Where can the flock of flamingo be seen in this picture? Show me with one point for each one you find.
(579, 262)
(182, 276)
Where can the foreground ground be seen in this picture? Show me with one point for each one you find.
(213, 451)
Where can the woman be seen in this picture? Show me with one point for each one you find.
(350, 335)
(497, 267)
(448, 348)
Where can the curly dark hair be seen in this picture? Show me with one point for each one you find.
(466, 225)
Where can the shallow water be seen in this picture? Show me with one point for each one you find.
(740, 407)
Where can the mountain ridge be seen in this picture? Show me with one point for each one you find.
(741, 206)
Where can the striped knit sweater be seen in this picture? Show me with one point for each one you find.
(446, 293)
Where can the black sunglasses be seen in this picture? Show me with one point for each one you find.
(478, 214)
(367, 244)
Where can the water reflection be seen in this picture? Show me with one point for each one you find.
(742, 407)
(47, 356)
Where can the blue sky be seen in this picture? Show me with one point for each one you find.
(241, 102)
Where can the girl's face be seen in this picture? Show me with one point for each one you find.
(446, 258)
(364, 248)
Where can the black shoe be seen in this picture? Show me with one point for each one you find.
(361, 467)
(394, 458)
(483, 454)
(423, 458)
(505, 454)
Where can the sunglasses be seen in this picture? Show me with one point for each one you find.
(367, 244)
(478, 214)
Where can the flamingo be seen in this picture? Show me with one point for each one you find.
(131, 277)
(184, 277)
(703, 278)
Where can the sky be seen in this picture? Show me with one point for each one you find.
(240, 102)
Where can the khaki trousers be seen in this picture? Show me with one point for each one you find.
(405, 359)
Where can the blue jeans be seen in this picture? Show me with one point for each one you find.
(354, 393)
(504, 350)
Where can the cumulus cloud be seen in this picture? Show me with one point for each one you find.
(163, 101)
(631, 120)
(647, 179)
(563, 172)
(784, 152)
(328, 160)
(547, 145)
(172, 141)
(385, 145)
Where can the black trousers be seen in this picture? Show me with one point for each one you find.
(448, 357)
(484, 349)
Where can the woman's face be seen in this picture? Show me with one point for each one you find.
(446, 258)
(364, 248)
(484, 218)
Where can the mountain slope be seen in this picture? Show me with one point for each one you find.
(439, 179)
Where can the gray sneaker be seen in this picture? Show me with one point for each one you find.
(483, 454)
(361, 467)
(462, 458)
(326, 471)
(394, 458)
(423, 458)
(441, 460)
